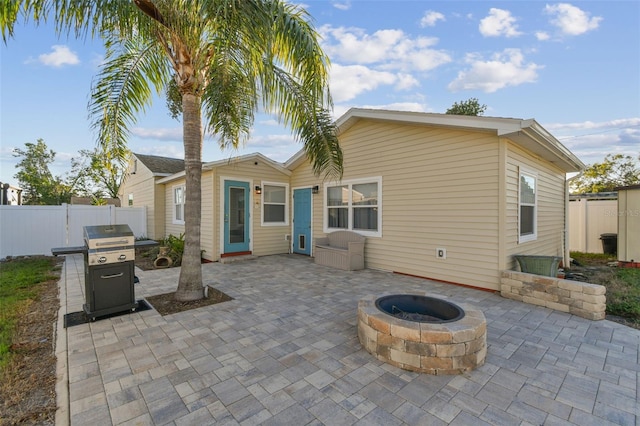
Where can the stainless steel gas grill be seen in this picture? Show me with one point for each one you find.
(109, 254)
(109, 270)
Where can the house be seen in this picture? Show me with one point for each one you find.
(139, 188)
(10, 195)
(447, 197)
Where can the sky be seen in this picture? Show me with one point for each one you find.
(572, 66)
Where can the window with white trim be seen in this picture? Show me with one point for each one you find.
(354, 205)
(528, 206)
(275, 209)
(178, 204)
(131, 199)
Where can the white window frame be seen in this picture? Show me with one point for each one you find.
(174, 204)
(349, 183)
(130, 200)
(533, 236)
(263, 185)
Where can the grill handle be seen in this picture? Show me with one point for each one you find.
(112, 243)
(104, 277)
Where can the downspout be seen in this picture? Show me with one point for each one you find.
(566, 259)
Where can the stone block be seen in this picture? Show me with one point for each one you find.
(408, 331)
(533, 301)
(368, 332)
(384, 339)
(594, 298)
(588, 288)
(383, 351)
(594, 307)
(594, 316)
(451, 350)
(422, 349)
(464, 335)
(398, 343)
(379, 324)
(436, 363)
(428, 335)
(570, 285)
(512, 296)
(475, 345)
(405, 358)
(511, 282)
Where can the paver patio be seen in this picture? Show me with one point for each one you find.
(286, 351)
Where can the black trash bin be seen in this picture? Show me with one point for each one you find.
(609, 243)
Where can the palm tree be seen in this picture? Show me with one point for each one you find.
(228, 59)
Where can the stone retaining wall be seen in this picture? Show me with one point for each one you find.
(578, 298)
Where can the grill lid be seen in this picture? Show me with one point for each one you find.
(105, 236)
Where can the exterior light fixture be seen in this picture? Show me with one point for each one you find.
(315, 189)
(258, 190)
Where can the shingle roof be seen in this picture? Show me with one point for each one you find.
(162, 165)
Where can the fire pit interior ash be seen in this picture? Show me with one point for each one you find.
(412, 307)
(422, 333)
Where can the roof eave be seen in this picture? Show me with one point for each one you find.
(536, 139)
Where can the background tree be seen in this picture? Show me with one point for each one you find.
(469, 107)
(616, 170)
(40, 186)
(102, 172)
(228, 59)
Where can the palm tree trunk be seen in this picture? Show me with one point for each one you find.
(190, 282)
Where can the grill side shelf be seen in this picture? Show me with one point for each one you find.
(57, 251)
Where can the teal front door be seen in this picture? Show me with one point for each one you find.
(236, 216)
(302, 221)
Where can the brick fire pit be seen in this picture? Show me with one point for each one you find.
(436, 348)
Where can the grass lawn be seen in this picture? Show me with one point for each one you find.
(20, 285)
(623, 284)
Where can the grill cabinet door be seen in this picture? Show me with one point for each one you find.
(112, 286)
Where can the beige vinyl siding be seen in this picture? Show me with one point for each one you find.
(265, 240)
(550, 206)
(145, 193)
(170, 227)
(439, 190)
(207, 218)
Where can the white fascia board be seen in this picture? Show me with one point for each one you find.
(171, 178)
(248, 157)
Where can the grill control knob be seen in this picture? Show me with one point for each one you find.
(122, 257)
(102, 259)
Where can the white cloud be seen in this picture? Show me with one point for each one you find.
(163, 134)
(430, 18)
(60, 56)
(504, 69)
(342, 5)
(387, 49)
(592, 141)
(542, 36)
(347, 82)
(499, 23)
(571, 20)
(406, 81)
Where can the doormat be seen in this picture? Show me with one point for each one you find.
(77, 318)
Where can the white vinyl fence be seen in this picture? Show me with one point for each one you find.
(588, 219)
(33, 230)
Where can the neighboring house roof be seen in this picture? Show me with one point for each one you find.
(220, 163)
(526, 133)
(161, 166)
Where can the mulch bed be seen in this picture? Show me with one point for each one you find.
(166, 303)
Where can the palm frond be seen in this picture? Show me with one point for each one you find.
(124, 88)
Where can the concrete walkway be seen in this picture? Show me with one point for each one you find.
(286, 352)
